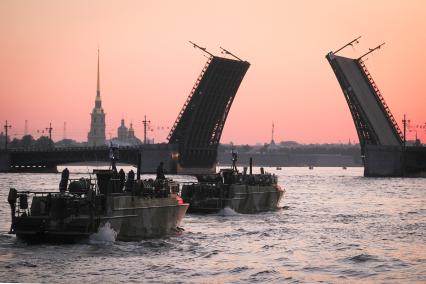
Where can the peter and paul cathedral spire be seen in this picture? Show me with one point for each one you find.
(96, 136)
(98, 102)
(98, 89)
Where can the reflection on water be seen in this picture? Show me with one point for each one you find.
(335, 226)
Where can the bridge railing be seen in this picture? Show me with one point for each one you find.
(86, 148)
(200, 77)
(382, 100)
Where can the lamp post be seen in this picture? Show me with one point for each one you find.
(6, 128)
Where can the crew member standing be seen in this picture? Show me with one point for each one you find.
(160, 171)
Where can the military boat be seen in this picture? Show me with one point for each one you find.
(242, 192)
(135, 209)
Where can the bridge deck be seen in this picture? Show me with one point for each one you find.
(30, 159)
(367, 107)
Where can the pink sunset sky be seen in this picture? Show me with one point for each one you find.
(48, 52)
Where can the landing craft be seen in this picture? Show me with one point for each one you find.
(242, 192)
(134, 209)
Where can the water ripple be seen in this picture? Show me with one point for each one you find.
(333, 227)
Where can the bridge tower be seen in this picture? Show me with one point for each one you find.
(96, 135)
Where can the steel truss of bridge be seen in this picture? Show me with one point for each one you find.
(199, 125)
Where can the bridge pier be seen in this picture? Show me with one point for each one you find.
(391, 161)
(4, 161)
(383, 161)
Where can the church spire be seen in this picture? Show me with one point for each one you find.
(96, 135)
(98, 88)
(98, 102)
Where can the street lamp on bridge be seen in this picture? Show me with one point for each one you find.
(6, 128)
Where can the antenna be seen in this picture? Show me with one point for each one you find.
(224, 51)
(272, 136)
(355, 41)
(65, 130)
(145, 124)
(405, 123)
(199, 47)
(6, 128)
(50, 130)
(26, 127)
(370, 51)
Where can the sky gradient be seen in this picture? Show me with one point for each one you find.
(48, 53)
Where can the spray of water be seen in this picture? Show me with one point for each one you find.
(227, 211)
(105, 234)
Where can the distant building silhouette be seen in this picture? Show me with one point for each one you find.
(96, 135)
(122, 131)
(126, 136)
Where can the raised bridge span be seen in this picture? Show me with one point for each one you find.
(199, 125)
(192, 142)
(382, 142)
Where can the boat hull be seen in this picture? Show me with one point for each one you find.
(132, 218)
(146, 218)
(246, 199)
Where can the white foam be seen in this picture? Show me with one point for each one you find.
(227, 211)
(105, 234)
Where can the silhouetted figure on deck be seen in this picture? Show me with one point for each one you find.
(64, 180)
(113, 156)
(160, 171)
(122, 177)
(13, 196)
(234, 161)
(130, 181)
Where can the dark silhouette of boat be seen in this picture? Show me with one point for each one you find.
(242, 192)
(135, 209)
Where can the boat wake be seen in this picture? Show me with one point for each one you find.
(105, 234)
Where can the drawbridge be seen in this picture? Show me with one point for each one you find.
(193, 139)
(372, 117)
(381, 140)
(199, 125)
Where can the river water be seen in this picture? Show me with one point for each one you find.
(335, 226)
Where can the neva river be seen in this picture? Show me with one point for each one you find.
(335, 226)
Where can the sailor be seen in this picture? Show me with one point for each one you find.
(122, 177)
(13, 195)
(130, 181)
(160, 171)
(234, 161)
(64, 180)
(113, 156)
